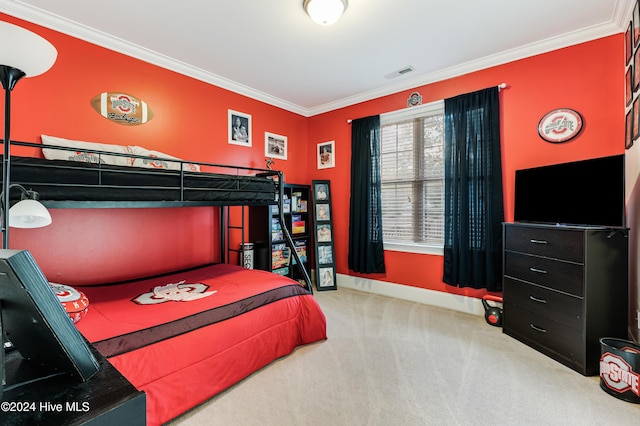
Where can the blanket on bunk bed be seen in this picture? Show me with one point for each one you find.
(186, 336)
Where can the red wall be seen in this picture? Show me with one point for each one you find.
(191, 122)
(585, 77)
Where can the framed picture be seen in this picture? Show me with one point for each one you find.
(628, 43)
(628, 85)
(628, 134)
(322, 212)
(636, 118)
(275, 146)
(636, 70)
(327, 278)
(321, 191)
(636, 23)
(326, 155)
(323, 233)
(239, 128)
(325, 256)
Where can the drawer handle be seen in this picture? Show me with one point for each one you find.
(535, 299)
(538, 329)
(539, 271)
(538, 242)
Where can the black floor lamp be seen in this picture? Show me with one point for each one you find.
(22, 54)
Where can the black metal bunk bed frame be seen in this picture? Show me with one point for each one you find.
(106, 186)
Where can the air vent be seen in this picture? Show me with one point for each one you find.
(400, 72)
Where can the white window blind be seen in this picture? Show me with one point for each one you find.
(412, 176)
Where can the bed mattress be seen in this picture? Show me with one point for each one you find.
(186, 336)
(60, 180)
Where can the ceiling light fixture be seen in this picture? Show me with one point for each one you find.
(325, 12)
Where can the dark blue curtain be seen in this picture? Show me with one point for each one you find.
(366, 251)
(473, 191)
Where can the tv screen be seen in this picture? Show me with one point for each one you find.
(588, 192)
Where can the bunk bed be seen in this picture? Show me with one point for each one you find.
(182, 336)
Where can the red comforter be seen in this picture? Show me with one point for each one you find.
(185, 337)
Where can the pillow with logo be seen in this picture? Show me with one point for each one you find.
(160, 160)
(79, 153)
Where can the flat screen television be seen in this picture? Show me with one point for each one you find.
(588, 192)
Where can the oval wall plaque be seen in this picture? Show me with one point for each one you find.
(122, 108)
(560, 125)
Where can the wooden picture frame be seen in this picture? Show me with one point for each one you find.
(636, 71)
(628, 43)
(239, 128)
(275, 146)
(636, 119)
(636, 24)
(326, 153)
(628, 134)
(628, 86)
(324, 247)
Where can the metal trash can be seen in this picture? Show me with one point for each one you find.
(620, 368)
(246, 259)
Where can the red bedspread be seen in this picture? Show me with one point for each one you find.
(185, 337)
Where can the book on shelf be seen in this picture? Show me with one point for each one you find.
(286, 205)
(295, 201)
(276, 229)
(298, 225)
(281, 271)
(303, 206)
(280, 256)
(301, 249)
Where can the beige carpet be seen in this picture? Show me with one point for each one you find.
(392, 362)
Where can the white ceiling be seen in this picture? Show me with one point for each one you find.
(270, 50)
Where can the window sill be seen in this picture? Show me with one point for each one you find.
(415, 248)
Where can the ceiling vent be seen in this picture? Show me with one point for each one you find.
(400, 72)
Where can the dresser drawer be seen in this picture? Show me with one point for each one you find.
(558, 307)
(544, 334)
(558, 275)
(556, 243)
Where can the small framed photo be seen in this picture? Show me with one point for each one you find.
(326, 155)
(628, 135)
(239, 128)
(636, 119)
(628, 85)
(323, 233)
(636, 71)
(322, 212)
(321, 192)
(636, 23)
(275, 146)
(628, 43)
(327, 278)
(325, 254)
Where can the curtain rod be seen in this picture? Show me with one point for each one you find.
(499, 86)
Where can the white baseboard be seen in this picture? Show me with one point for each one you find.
(470, 305)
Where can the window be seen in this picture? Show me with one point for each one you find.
(412, 178)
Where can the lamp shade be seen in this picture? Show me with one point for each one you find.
(29, 214)
(25, 50)
(325, 12)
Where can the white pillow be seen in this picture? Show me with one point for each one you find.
(162, 162)
(83, 156)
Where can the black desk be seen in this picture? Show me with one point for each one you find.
(105, 399)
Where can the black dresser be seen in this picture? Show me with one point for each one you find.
(565, 287)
